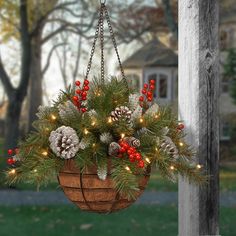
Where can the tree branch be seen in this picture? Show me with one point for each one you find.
(49, 57)
(5, 79)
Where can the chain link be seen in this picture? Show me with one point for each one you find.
(102, 43)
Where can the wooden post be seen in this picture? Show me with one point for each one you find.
(198, 108)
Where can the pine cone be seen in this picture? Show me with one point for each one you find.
(169, 147)
(64, 142)
(132, 141)
(121, 112)
(106, 138)
(113, 149)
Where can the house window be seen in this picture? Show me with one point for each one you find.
(133, 82)
(161, 85)
(225, 131)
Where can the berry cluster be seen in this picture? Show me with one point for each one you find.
(81, 95)
(11, 152)
(132, 153)
(147, 92)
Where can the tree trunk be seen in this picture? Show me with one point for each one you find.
(35, 90)
(12, 121)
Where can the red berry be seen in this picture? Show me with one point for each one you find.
(84, 98)
(132, 149)
(149, 99)
(10, 161)
(132, 159)
(144, 91)
(152, 82)
(77, 83)
(86, 82)
(132, 156)
(86, 88)
(180, 126)
(126, 146)
(84, 109)
(141, 99)
(149, 93)
(75, 98)
(122, 150)
(10, 152)
(141, 164)
(138, 156)
(78, 91)
(152, 87)
(129, 152)
(84, 94)
(145, 86)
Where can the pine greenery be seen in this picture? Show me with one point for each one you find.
(40, 165)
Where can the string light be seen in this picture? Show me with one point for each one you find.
(157, 116)
(198, 166)
(181, 144)
(94, 144)
(35, 170)
(122, 135)
(85, 131)
(13, 171)
(156, 149)
(109, 120)
(147, 160)
(141, 120)
(127, 168)
(172, 167)
(53, 117)
(44, 153)
(93, 123)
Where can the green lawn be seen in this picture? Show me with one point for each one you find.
(69, 221)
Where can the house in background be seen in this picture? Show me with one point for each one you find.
(158, 60)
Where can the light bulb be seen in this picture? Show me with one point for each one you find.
(13, 171)
(181, 144)
(122, 135)
(53, 117)
(141, 120)
(198, 166)
(127, 168)
(45, 153)
(109, 120)
(147, 160)
(85, 131)
(93, 123)
(172, 167)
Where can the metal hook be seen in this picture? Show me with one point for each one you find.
(103, 2)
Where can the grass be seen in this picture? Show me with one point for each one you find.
(69, 221)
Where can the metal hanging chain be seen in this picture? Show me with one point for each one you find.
(94, 43)
(114, 43)
(102, 42)
(100, 26)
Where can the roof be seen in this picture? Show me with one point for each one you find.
(153, 54)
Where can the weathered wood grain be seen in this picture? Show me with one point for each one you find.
(198, 108)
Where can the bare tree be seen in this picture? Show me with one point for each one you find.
(17, 95)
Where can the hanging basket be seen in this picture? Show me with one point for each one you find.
(90, 193)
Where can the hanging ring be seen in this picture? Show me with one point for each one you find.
(103, 2)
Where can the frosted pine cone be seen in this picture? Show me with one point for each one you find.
(64, 142)
(106, 138)
(67, 110)
(102, 172)
(169, 147)
(113, 149)
(132, 141)
(121, 112)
